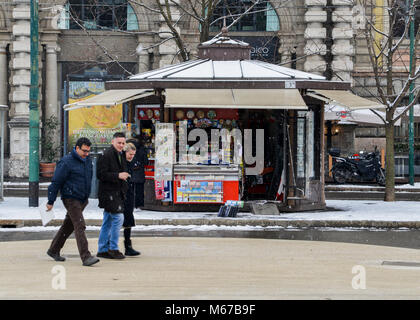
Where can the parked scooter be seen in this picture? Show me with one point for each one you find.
(360, 167)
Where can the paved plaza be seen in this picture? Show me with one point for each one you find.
(213, 268)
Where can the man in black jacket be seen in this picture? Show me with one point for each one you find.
(112, 175)
(72, 178)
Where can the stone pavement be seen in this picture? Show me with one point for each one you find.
(213, 268)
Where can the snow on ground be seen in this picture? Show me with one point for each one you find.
(17, 208)
(360, 186)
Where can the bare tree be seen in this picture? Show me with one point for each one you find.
(386, 34)
(203, 12)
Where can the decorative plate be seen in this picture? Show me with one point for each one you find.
(200, 114)
(211, 114)
(180, 114)
(190, 114)
(141, 113)
(149, 113)
(228, 122)
(157, 113)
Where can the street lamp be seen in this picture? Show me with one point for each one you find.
(3, 110)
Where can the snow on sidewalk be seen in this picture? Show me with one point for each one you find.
(347, 210)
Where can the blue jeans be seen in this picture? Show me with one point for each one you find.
(110, 231)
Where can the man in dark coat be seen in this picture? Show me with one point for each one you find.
(112, 175)
(72, 177)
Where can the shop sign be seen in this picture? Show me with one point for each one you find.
(263, 48)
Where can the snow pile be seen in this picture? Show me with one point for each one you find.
(347, 210)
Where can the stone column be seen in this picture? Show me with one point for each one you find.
(51, 86)
(143, 57)
(3, 75)
(168, 49)
(20, 85)
(3, 91)
(52, 105)
(315, 35)
(343, 47)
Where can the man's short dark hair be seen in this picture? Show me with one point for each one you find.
(118, 135)
(83, 141)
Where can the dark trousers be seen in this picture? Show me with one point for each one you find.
(139, 195)
(73, 221)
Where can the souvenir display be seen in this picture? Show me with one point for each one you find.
(190, 114)
(204, 123)
(200, 114)
(220, 124)
(211, 114)
(190, 124)
(180, 114)
(200, 191)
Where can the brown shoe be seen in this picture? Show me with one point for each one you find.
(115, 254)
(104, 254)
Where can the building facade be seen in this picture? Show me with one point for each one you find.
(87, 41)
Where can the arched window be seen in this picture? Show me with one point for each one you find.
(98, 15)
(262, 17)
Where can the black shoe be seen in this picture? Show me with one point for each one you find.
(129, 251)
(90, 261)
(115, 254)
(56, 256)
(104, 254)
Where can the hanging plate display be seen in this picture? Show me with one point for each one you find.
(211, 114)
(200, 114)
(149, 113)
(190, 114)
(180, 114)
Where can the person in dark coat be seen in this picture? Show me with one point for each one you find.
(129, 222)
(72, 177)
(112, 175)
(138, 176)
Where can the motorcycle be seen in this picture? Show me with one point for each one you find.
(358, 167)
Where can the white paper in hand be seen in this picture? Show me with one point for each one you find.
(46, 216)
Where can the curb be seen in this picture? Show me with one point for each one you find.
(236, 222)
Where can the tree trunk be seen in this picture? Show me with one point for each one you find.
(204, 34)
(390, 163)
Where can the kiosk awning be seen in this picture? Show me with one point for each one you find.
(111, 98)
(235, 98)
(345, 98)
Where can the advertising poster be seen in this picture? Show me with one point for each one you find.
(97, 123)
